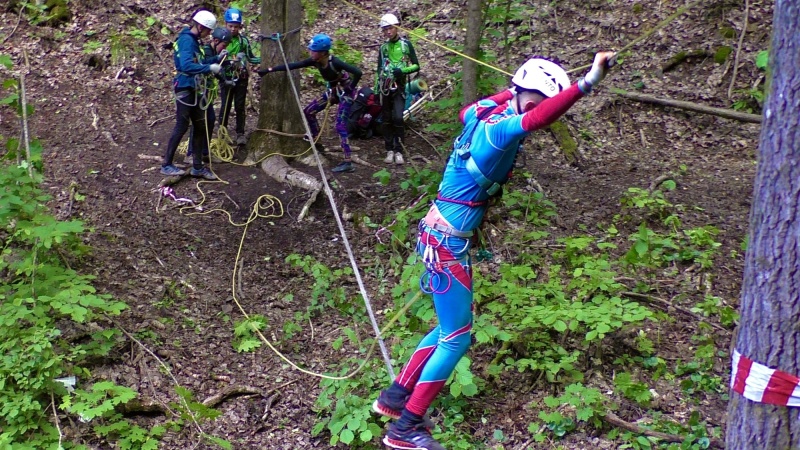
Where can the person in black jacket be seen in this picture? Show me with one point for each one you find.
(342, 79)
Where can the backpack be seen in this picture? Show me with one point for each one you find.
(364, 114)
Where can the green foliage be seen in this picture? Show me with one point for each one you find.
(633, 390)
(695, 433)
(762, 59)
(245, 337)
(41, 297)
(588, 403)
(654, 204)
(327, 291)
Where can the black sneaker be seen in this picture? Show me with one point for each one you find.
(344, 166)
(417, 438)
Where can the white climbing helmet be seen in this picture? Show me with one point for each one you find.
(541, 75)
(387, 20)
(206, 19)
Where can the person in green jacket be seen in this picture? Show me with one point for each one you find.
(236, 95)
(396, 60)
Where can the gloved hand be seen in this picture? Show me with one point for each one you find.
(223, 54)
(241, 56)
(397, 72)
(600, 67)
(215, 68)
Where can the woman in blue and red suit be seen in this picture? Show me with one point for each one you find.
(481, 162)
(342, 79)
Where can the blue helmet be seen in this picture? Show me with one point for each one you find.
(233, 15)
(320, 43)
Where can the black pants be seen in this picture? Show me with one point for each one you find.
(188, 112)
(392, 107)
(235, 96)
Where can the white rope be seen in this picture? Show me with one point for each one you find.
(329, 193)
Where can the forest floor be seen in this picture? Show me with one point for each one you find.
(173, 267)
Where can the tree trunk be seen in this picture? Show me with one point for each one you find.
(768, 330)
(279, 110)
(469, 72)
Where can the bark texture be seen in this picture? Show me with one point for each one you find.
(769, 329)
(471, 48)
(278, 107)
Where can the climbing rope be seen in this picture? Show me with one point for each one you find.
(339, 223)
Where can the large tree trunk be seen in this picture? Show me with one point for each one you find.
(278, 108)
(770, 311)
(469, 80)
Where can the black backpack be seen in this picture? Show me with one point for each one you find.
(364, 114)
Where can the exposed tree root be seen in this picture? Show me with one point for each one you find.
(277, 168)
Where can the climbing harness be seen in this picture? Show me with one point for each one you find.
(436, 280)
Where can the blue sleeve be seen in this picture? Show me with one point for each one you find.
(185, 63)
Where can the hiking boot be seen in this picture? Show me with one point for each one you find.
(172, 171)
(417, 438)
(344, 166)
(398, 158)
(241, 139)
(203, 173)
(389, 157)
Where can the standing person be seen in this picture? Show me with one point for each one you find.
(190, 95)
(396, 60)
(214, 53)
(341, 78)
(481, 162)
(237, 94)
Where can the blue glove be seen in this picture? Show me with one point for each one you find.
(397, 72)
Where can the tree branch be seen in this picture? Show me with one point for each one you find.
(614, 420)
(689, 106)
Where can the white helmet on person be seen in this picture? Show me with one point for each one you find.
(388, 20)
(541, 75)
(206, 19)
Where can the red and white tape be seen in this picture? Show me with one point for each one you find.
(759, 383)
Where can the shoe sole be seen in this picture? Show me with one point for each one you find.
(400, 444)
(392, 414)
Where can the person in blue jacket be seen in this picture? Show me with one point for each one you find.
(190, 85)
(342, 79)
(213, 52)
(480, 163)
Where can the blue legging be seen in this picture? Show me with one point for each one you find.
(448, 277)
(345, 100)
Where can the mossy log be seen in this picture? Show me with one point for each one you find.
(565, 140)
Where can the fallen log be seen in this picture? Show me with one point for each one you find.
(689, 106)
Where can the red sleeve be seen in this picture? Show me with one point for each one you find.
(499, 98)
(551, 109)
